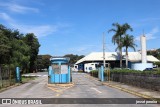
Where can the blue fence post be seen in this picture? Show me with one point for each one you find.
(18, 77)
(102, 73)
(69, 74)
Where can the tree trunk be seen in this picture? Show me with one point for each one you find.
(126, 58)
(120, 51)
(121, 58)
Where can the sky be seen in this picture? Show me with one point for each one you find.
(76, 26)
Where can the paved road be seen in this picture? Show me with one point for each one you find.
(84, 87)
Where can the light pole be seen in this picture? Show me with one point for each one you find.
(104, 60)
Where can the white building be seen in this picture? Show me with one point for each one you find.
(113, 59)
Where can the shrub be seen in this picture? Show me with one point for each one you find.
(127, 71)
(157, 63)
(94, 73)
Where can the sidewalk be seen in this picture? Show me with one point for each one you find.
(140, 92)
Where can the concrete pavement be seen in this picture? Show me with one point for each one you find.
(83, 86)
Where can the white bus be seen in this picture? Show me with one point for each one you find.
(90, 66)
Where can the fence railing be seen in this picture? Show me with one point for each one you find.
(7, 76)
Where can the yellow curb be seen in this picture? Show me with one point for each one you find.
(130, 91)
(60, 85)
(57, 95)
(55, 87)
(124, 89)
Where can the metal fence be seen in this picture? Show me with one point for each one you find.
(7, 76)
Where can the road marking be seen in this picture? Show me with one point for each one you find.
(96, 90)
(57, 95)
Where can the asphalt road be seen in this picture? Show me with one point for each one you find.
(83, 87)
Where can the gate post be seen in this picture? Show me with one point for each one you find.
(102, 73)
(18, 77)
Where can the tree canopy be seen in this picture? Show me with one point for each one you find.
(73, 58)
(43, 62)
(17, 49)
(119, 32)
(155, 53)
(128, 42)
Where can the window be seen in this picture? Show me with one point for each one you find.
(56, 68)
(64, 68)
(90, 68)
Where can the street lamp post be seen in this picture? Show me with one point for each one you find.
(104, 61)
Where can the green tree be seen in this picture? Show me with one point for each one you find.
(73, 58)
(155, 53)
(128, 42)
(17, 49)
(158, 52)
(34, 45)
(4, 46)
(43, 62)
(119, 31)
(20, 54)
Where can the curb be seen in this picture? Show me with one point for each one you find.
(60, 85)
(126, 90)
(132, 92)
(129, 91)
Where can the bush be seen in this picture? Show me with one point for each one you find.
(94, 73)
(127, 71)
(157, 63)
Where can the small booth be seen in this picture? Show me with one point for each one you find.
(59, 71)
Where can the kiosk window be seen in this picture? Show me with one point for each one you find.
(64, 69)
(56, 68)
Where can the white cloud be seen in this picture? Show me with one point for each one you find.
(150, 19)
(150, 35)
(18, 8)
(39, 30)
(6, 17)
(85, 49)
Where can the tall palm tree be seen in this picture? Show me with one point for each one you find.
(119, 31)
(128, 42)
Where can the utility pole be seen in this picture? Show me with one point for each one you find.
(104, 62)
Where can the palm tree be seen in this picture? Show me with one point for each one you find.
(119, 31)
(128, 42)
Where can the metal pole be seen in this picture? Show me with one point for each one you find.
(104, 64)
(109, 72)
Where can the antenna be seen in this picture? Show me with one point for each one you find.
(143, 33)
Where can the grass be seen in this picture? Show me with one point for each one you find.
(27, 79)
(7, 84)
